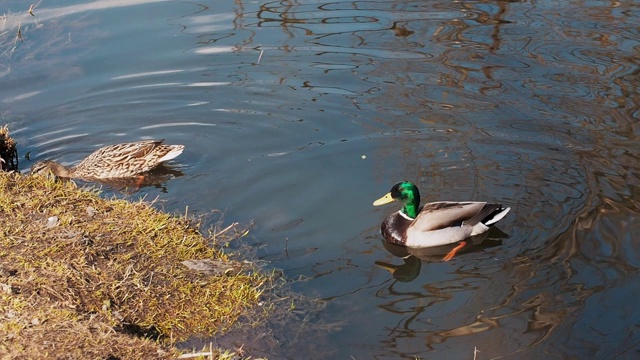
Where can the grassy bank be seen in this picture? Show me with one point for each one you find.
(85, 277)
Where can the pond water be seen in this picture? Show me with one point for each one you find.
(297, 115)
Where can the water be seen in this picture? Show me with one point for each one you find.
(298, 114)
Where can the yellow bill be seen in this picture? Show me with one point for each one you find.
(384, 200)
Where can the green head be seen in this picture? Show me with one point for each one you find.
(404, 191)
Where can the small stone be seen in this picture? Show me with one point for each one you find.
(6, 288)
(91, 211)
(52, 222)
(209, 266)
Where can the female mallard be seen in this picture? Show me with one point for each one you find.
(114, 161)
(436, 223)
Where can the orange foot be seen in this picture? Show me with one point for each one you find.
(453, 252)
(140, 181)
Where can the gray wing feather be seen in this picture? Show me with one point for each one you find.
(439, 215)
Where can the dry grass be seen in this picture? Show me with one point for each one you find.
(80, 275)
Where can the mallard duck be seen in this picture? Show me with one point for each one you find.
(437, 223)
(114, 161)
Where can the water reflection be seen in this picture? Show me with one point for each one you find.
(414, 257)
(474, 243)
(405, 272)
(157, 178)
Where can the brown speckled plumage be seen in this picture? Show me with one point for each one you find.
(114, 161)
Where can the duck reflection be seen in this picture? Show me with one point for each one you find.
(413, 257)
(158, 178)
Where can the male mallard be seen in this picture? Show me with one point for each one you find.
(436, 223)
(114, 161)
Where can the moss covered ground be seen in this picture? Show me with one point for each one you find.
(86, 277)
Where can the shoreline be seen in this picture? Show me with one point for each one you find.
(83, 276)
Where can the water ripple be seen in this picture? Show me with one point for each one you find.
(314, 109)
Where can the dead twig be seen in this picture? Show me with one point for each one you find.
(225, 229)
(19, 36)
(260, 56)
